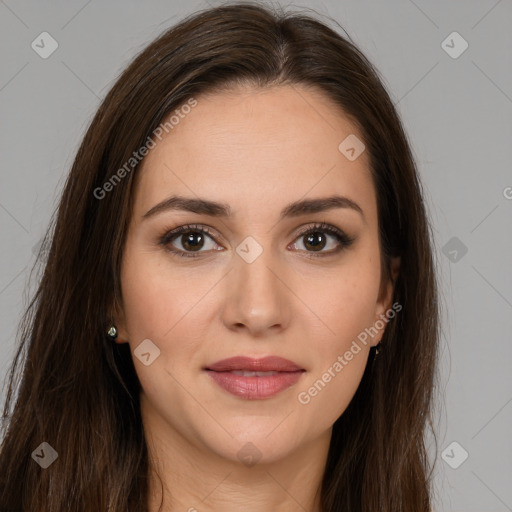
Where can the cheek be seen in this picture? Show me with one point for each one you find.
(327, 394)
(161, 308)
(168, 306)
(347, 311)
(345, 304)
(155, 299)
(339, 360)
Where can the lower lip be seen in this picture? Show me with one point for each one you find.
(255, 388)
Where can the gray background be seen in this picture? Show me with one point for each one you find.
(457, 112)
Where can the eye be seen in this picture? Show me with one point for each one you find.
(191, 243)
(315, 239)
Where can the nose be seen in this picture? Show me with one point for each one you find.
(257, 298)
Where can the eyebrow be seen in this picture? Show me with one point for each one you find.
(215, 209)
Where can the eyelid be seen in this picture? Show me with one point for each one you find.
(171, 233)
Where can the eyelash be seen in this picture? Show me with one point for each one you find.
(344, 240)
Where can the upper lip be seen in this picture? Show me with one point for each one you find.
(265, 364)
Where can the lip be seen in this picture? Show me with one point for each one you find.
(284, 374)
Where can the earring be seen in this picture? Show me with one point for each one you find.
(378, 348)
(112, 333)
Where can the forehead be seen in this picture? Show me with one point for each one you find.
(257, 148)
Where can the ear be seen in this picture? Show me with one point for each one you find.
(118, 319)
(385, 299)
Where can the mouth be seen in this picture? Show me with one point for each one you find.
(254, 379)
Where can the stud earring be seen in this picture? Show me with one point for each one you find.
(112, 332)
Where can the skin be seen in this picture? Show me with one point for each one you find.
(257, 150)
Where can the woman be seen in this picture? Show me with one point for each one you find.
(239, 306)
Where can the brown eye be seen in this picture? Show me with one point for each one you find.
(316, 241)
(191, 239)
(316, 238)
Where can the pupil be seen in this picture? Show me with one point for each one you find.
(189, 241)
(310, 240)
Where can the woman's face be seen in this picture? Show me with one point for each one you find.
(254, 286)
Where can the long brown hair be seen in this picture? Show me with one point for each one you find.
(79, 392)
